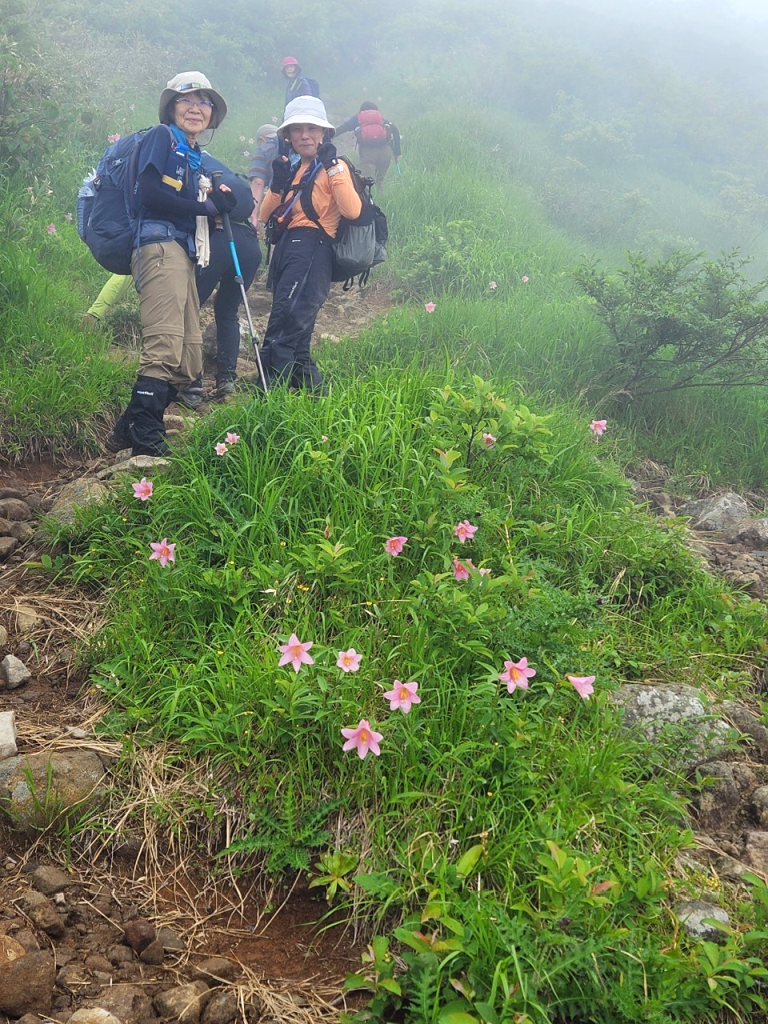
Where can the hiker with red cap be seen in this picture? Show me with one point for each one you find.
(376, 140)
(301, 268)
(298, 83)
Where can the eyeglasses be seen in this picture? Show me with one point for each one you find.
(194, 101)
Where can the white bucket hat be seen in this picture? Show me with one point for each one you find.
(306, 110)
(192, 81)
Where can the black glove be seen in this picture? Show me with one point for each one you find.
(326, 154)
(223, 201)
(281, 175)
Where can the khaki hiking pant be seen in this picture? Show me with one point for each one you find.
(172, 343)
(375, 161)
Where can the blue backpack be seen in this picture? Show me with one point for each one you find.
(107, 207)
(107, 204)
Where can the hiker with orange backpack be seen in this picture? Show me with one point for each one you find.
(302, 265)
(376, 140)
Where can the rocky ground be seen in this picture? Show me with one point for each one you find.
(114, 926)
(110, 925)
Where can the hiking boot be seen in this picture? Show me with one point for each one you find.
(224, 390)
(191, 398)
(119, 436)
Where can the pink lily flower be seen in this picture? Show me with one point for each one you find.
(598, 427)
(489, 440)
(221, 448)
(364, 738)
(51, 229)
(232, 438)
(582, 685)
(395, 545)
(460, 570)
(517, 673)
(525, 279)
(430, 307)
(402, 696)
(493, 286)
(465, 531)
(349, 661)
(163, 552)
(143, 489)
(295, 653)
(113, 138)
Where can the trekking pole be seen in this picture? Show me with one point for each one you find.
(216, 178)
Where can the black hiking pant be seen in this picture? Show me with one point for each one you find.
(300, 279)
(221, 271)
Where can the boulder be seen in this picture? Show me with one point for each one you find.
(717, 803)
(93, 1015)
(750, 532)
(675, 712)
(717, 513)
(26, 984)
(222, 1008)
(37, 788)
(14, 672)
(8, 746)
(74, 496)
(184, 1003)
(756, 851)
(49, 880)
(15, 509)
(129, 1003)
(695, 915)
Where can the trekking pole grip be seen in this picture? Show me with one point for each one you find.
(216, 177)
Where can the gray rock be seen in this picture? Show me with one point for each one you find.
(10, 949)
(119, 955)
(3, 636)
(8, 746)
(744, 777)
(693, 915)
(216, 970)
(133, 465)
(27, 619)
(7, 546)
(29, 1018)
(5, 528)
(756, 851)
(23, 532)
(717, 803)
(50, 880)
(169, 940)
(14, 672)
(716, 513)
(138, 934)
(222, 1008)
(674, 711)
(73, 497)
(152, 954)
(129, 1003)
(760, 806)
(36, 788)
(11, 492)
(15, 508)
(752, 532)
(741, 718)
(26, 985)
(93, 1015)
(44, 916)
(184, 1003)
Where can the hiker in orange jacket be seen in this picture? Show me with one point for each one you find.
(300, 273)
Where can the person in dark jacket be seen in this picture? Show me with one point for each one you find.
(376, 140)
(298, 83)
(173, 237)
(300, 272)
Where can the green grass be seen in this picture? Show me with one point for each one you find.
(285, 534)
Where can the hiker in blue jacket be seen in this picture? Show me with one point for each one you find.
(173, 238)
(298, 83)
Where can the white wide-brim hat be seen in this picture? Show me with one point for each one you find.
(306, 110)
(192, 81)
